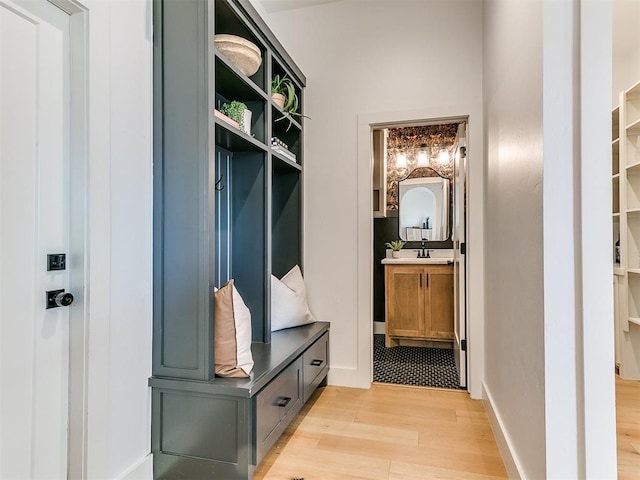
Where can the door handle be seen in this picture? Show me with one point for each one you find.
(58, 298)
(283, 402)
(316, 362)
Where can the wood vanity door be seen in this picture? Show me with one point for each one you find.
(405, 302)
(440, 303)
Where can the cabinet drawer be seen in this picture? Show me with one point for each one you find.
(276, 405)
(315, 361)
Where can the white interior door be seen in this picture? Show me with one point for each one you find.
(459, 257)
(34, 222)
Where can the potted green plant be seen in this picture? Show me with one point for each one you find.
(238, 112)
(395, 246)
(283, 94)
(282, 91)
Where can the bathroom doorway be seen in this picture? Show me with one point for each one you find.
(419, 298)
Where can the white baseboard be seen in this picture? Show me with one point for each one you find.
(378, 328)
(509, 456)
(348, 377)
(141, 470)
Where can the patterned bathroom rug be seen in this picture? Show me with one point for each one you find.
(423, 367)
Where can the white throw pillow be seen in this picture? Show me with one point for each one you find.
(289, 306)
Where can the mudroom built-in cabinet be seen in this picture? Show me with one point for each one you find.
(227, 205)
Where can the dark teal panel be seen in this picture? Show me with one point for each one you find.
(182, 317)
(286, 221)
(249, 235)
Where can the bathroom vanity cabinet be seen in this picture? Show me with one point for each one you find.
(418, 303)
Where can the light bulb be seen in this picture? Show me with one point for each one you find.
(401, 160)
(423, 160)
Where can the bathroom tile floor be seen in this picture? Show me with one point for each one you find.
(416, 366)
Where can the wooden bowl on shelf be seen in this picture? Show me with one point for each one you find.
(242, 53)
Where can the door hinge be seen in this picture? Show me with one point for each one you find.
(463, 345)
(463, 248)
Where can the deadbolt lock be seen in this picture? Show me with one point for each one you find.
(58, 298)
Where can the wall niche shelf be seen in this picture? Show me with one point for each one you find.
(226, 205)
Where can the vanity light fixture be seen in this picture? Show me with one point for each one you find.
(443, 156)
(401, 160)
(423, 158)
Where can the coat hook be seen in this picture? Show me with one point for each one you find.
(217, 185)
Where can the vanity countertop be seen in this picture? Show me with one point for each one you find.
(416, 261)
(410, 257)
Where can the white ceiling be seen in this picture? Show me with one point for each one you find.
(272, 6)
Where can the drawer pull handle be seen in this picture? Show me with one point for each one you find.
(284, 401)
(316, 362)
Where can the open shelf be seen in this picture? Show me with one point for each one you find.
(633, 190)
(233, 139)
(615, 123)
(229, 20)
(632, 105)
(634, 296)
(283, 163)
(290, 134)
(233, 84)
(282, 122)
(634, 168)
(633, 128)
(633, 242)
(286, 227)
(632, 149)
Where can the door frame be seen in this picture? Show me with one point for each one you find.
(78, 235)
(460, 263)
(475, 290)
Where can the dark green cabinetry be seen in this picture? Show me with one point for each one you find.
(225, 206)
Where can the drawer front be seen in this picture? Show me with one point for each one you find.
(315, 361)
(276, 405)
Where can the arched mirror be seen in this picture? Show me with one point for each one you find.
(424, 209)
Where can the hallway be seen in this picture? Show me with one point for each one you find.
(386, 432)
(391, 432)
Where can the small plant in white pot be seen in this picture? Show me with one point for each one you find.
(395, 247)
(238, 112)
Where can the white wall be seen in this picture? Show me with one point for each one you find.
(361, 59)
(120, 235)
(514, 368)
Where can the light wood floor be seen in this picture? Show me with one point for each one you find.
(387, 432)
(628, 422)
(391, 432)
